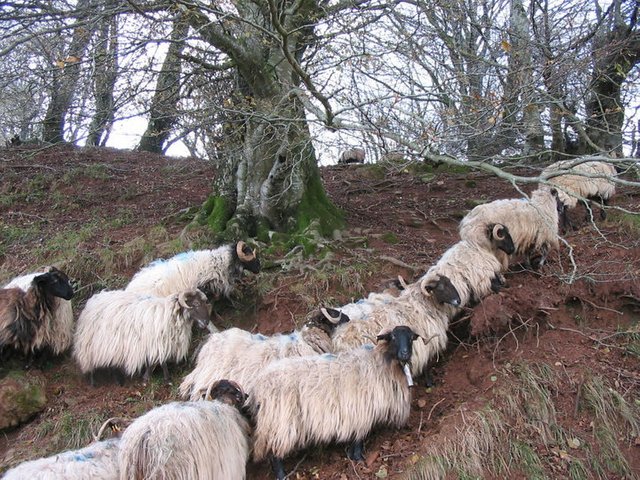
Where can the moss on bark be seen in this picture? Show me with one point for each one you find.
(315, 205)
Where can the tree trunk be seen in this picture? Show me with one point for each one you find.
(65, 75)
(106, 71)
(269, 179)
(164, 106)
(616, 51)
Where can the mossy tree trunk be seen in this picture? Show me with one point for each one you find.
(269, 179)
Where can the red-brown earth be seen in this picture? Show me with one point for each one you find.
(102, 213)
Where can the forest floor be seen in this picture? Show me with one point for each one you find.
(538, 381)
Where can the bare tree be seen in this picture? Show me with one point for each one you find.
(163, 112)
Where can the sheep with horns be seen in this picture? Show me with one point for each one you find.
(213, 271)
(203, 440)
(134, 331)
(417, 307)
(532, 224)
(301, 401)
(238, 355)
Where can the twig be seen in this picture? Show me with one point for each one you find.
(399, 263)
(304, 457)
(432, 408)
(599, 307)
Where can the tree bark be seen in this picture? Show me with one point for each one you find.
(106, 71)
(164, 106)
(270, 179)
(616, 51)
(66, 73)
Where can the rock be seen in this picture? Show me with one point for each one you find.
(22, 395)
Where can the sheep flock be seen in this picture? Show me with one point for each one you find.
(251, 397)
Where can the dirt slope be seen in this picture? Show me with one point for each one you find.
(559, 332)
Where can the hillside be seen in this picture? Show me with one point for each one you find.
(539, 381)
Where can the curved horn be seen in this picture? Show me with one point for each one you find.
(182, 300)
(497, 229)
(113, 422)
(423, 286)
(402, 283)
(328, 316)
(243, 256)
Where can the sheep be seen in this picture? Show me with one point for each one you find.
(352, 155)
(417, 308)
(587, 181)
(532, 224)
(238, 355)
(26, 316)
(442, 289)
(474, 271)
(213, 271)
(204, 440)
(97, 461)
(58, 325)
(130, 330)
(297, 402)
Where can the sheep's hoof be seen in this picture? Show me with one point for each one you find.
(278, 468)
(356, 451)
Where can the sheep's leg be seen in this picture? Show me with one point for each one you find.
(278, 468)
(497, 283)
(165, 372)
(355, 451)
(92, 381)
(118, 376)
(147, 374)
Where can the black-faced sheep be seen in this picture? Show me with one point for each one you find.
(416, 307)
(98, 461)
(532, 224)
(238, 355)
(440, 287)
(352, 155)
(474, 271)
(204, 440)
(297, 402)
(582, 182)
(213, 271)
(134, 331)
(58, 324)
(26, 316)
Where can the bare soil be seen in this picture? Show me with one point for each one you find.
(570, 315)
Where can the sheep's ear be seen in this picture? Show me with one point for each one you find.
(385, 334)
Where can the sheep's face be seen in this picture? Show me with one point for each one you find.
(501, 238)
(247, 257)
(442, 290)
(56, 283)
(196, 307)
(228, 392)
(399, 343)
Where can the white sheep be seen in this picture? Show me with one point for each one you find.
(131, 331)
(532, 224)
(579, 180)
(441, 288)
(98, 461)
(58, 325)
(238, 355)
(213, 271)
(415, 307)
(302, 401)
(28, 315)
(352, 155)
(203, 440)
(474, 271)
